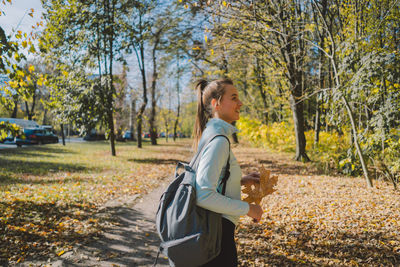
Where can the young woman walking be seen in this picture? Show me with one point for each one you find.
(219, 106)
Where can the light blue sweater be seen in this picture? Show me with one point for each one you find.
(211, 170)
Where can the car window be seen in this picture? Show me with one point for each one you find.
(27, 131)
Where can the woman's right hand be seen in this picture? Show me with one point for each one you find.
(255, 212)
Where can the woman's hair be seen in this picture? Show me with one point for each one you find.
(206, 91)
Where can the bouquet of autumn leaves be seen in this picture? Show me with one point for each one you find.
(255, 190)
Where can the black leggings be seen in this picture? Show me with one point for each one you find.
(228, 255)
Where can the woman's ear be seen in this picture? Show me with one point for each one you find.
(214, 103)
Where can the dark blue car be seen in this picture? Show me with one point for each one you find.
(36, 136)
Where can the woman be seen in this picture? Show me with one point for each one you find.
(219, 106)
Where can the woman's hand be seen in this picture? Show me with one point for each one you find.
(252, 178)
(255, 212)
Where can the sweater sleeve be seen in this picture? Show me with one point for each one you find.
(213, 159)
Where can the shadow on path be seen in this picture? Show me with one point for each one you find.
(155, 161)
(132, 239)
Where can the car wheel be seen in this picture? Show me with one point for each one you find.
(19, 145)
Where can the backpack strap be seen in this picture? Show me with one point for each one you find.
(227, 173)
(194, 162)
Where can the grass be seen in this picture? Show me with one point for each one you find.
(50, 194)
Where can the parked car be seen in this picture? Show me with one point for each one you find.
(127, 135)
(36, 136)
(146, 135)
(94, 137)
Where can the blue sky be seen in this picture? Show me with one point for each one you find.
(16, 14)
(16, 18)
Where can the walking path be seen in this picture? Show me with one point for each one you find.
(132, 242)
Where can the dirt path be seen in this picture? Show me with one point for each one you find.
(131, 241)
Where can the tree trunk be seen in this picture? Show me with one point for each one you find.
(317, 125)
(132, 119)
(297, 105)
(15, 109)
(260, 73)
(143, 73)
(44, 121)
(298, 119)
(62, 134)
(110, 98)
(153, 132)
(179, 101)
(28, 113)
(177, 120)
(355, 136)
(110, 121)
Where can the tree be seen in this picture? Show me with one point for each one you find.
(160, 27)
(11, 58)
(276, 29)
(93, 30)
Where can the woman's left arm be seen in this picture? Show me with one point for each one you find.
(212, 161)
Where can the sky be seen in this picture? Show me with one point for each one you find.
(16, 15)
(16, 18)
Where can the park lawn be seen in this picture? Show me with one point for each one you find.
(50, 194)
(318, 220)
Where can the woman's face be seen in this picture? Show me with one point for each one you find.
(228, 108)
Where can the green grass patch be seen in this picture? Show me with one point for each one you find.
(49, 194)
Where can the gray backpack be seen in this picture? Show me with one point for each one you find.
(190, 235)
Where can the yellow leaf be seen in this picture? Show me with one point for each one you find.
(60, 253)
(13, 84)
(20, 73)
(224, 3)
(23, 84)
(24, 44)
(31, 68)
(205, 38)
(32, 49)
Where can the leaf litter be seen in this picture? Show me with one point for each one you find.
(318, 220)
(311, 220)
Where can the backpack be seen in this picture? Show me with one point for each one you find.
(190, 235)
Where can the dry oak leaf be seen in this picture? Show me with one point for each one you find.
(256, 191)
